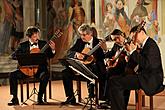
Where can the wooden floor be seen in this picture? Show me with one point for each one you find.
(58, 96)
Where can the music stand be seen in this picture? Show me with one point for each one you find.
(29, 61)
(80, 68)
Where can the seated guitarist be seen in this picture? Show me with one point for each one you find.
(33, 42)
(148, 72)
(115, 66)
(87, 40)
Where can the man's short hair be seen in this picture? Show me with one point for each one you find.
(136, 28)
(118, 32)
(85, 28)
(31, 30)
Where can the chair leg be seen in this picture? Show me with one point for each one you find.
(96, 92)
(79, 90)
(138, 94)
(21, 87)
(50, 89)
(27, 87)
(151, 103)
(136, 99)
(140, 99)
(143, 100)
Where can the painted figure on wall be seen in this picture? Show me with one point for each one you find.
(68, 16)
(6, 26)
(109, 20)
(17, 28)
(121, 17)
(147, 10)
(76, 18)
(139, 13)
(152, 27)
(0, 13)
(57, 20)
(51, 14)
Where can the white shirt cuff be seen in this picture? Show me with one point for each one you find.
(53, 51)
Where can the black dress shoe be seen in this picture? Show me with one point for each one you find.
(70, 100)
(105, 105)
(14, 101)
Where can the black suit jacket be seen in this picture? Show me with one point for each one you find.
(119, 69)
(150, 71)
(113, 51)
(24, 48)
(98, 54)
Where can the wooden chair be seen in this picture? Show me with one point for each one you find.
(32, 79)
(27, 81)
(140, 98)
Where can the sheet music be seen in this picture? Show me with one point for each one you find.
(81, 67)
(90, 79)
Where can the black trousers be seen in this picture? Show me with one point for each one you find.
(16, 75)
(111, 73)
(68, 76)
(118, 84)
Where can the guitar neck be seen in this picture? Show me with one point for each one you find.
(44, 48)
(119, 53)
(94, 49)
(98, 45)
(47, 44)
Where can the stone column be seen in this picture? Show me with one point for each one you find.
(28, 13)
(98, 17)
(87, 8)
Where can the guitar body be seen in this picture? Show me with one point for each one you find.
(88, 59)
(30, 71)
(111, 63)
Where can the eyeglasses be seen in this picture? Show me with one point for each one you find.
(83, 34)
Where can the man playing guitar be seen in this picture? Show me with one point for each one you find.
(78, 51)
(148, 76)
(116, 61)
(31, 45)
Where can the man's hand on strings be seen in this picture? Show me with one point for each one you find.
(52, 45)
(79, 56)
(103, 45)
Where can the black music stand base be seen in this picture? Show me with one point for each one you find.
(90, 101)
(33, 92)
(91, 96)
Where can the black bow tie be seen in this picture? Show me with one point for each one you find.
(34, 44)
(87, 43)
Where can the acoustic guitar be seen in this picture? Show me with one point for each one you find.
(133, 67)
(119, 54)
(30, 71)
(87, 52)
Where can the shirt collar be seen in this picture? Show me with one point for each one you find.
(144, 42)
(30, 42)
(90, 41)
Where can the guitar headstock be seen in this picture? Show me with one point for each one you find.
(141, 26)
(58, 33)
